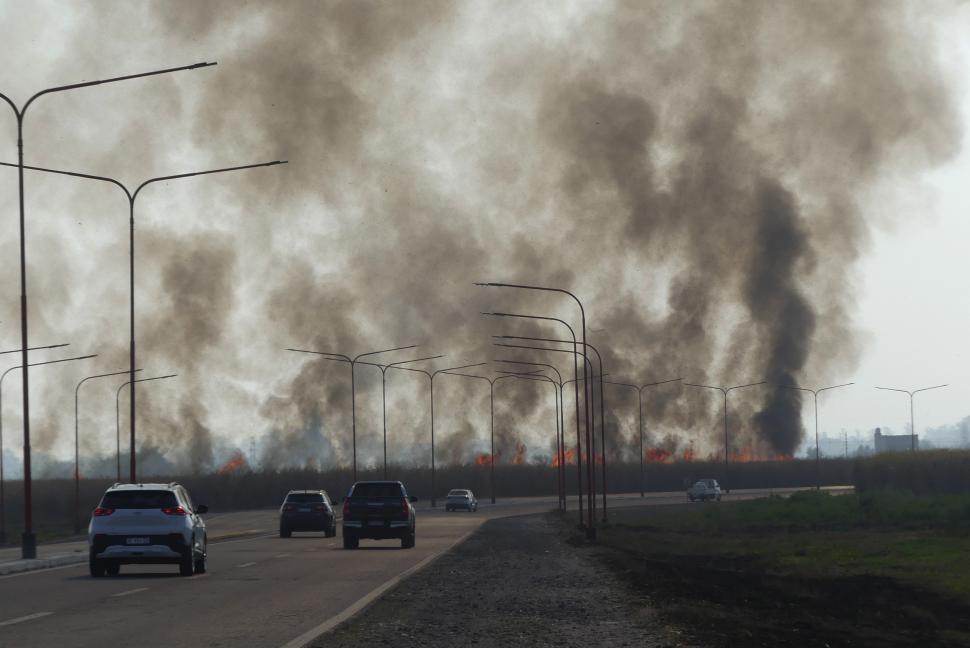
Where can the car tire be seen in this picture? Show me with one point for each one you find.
(691, 498)
(350, 541)
(285, 533)
(112, 568)
(96, 567)
(201, 563)
(407, 540)
(187, 563)
(718, 498)
(332, 531)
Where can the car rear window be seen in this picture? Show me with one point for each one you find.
(138, 499)
(304, 497)
(457, 493)
(377, 490)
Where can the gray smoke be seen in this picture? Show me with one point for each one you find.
(696, 172)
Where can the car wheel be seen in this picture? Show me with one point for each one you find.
(350, 541)
(201, 561)
(718, 498)
(112, 569)
(285, 533)
(187, 563)
(96, 567)
(407, 540)
(691, 498)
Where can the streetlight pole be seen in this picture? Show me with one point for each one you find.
(77, 463)
(561, 433)
(639, 390)
(599, 360)
(431, 376)
(384, 369)
(36, 348)
(815, 393)
(491, 394)
(29, 541)
(725, 391)
(587, 402)
(131, 450)
(557, 417)
(28, 518)
(591, 529)
(912, 417)
(587, 365)
(132, 197)
(353, 394)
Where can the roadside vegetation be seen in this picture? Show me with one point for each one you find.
(882, 568)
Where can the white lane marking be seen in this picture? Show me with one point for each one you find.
(370, 597)
(249, 564)
(132, 591)
(282, 555)
(29, 617)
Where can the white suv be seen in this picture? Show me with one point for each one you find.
(147, 524)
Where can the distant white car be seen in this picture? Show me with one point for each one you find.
(461, 498)
(704, 489)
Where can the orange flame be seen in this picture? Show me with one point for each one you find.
(484, 459)
(568, 457)
(658, 455)
(236, 461)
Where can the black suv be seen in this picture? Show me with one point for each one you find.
(378, 510)
(307, 510)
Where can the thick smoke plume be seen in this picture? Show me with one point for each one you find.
(697, 172)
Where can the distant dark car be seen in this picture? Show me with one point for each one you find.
(461, 498)
(378, 510)
(307, 510)
(705, 489)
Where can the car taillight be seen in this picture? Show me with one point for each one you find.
(101, 511)
(173, 510)
(346, 508)
(288, 507)
(320, 507)
(404, 507)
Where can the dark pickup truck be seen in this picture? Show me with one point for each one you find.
(378, 510)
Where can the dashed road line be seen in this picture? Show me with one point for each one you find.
(131, 591)
(282, 555)
(249, 564)
(29, 617)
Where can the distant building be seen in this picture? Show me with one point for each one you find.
(894, 442)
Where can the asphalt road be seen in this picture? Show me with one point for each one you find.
(259, 591)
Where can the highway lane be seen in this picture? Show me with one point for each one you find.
(259, 591)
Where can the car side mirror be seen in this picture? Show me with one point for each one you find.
(201, 509)
(413, 498)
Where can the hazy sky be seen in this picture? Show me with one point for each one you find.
(422, 158)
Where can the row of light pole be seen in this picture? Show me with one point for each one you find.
(29, 546)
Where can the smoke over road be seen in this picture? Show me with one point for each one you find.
(697, 172)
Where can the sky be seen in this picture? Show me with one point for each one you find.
(435, 144)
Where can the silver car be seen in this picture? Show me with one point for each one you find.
(461, 498)
(147, 524)
(704, 489)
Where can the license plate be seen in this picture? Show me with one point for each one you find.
(305, 510)
(137, 541)
(376, 523)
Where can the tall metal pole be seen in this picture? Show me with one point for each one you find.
(132, 474)
(591, 529)
(815, 393)
(3, 512)
(29, 540)
(912, 417)
(77, 455)
(724, 391)
(431, 376)
(491, 431)
(353, 391)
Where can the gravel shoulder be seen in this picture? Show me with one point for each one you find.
(516, 581)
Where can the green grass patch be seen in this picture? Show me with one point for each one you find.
(922, 541)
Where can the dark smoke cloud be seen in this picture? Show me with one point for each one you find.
(696, 172)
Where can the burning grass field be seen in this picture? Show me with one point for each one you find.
(886, 569)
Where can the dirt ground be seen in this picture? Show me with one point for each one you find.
(516, 582)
